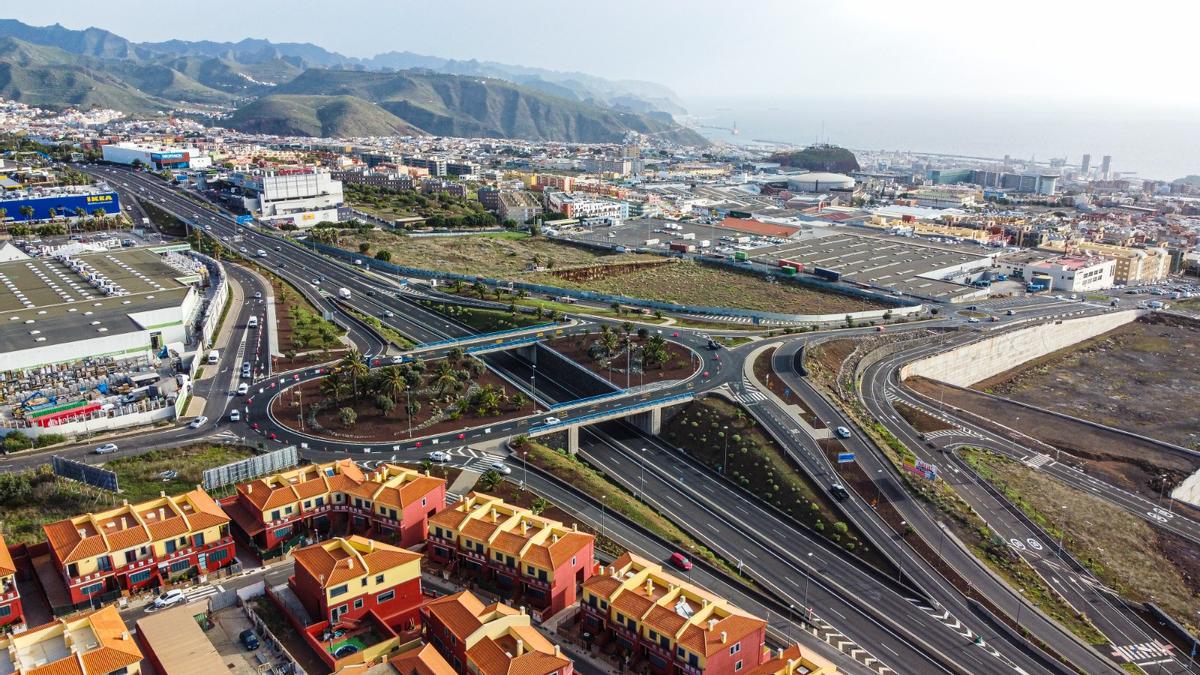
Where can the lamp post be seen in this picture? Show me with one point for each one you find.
(642, 472)
(1062, 530)
(525, 467)
(807, 580)
(725, 458)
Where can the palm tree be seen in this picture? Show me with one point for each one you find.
(353, 364)
(27, 211)
(393, 383)
(334, 387)
(445, 383)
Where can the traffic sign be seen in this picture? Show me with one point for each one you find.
(845, 457)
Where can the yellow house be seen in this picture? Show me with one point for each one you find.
(137, 545)
(796, 660)
(96, 643)
(347, 577)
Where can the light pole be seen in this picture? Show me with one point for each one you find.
(525, 467)
(725, 458)
(807, 580)
(900, 558)
(1020, 606)
(642, 472)
(1062, 530)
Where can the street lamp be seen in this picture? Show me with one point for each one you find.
(525, 467)
(1062, 530)
(642, 472)
(725, 459)
(807, 580)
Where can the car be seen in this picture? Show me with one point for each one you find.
(389, 314)
(552, 420)
(235, 415)
(500, 468)
(842, 432)
(198, 422)
(973, 319)
(839, 492)
(242, 389)
(249, 639)
(171, 597)
(106, 449)
(675, 334)
(680, 561)
(316, 282)
(370, 293)
(439, 456)
(258, 295)
(1011, 313)
(461, 436)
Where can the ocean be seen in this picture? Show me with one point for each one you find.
(1144, 142)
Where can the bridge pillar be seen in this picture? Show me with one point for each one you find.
(528, 352)
(573, 439)
(649, 421)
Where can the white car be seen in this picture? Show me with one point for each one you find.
(500, 467)
(235, 415)
(842, 432)
(258, 295)
(552, 420)
(171, 597)
(106, 449)
(439, 456)
(198, 422)
(242, 389)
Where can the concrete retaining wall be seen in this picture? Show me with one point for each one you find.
(991, 356)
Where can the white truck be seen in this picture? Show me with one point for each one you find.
(344, 293)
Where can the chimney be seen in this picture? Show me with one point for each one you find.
(162, 513)
(557, 650)
(161, 493)
(249, 488)
(495, 515)
(779, 653)
(712, 623)
(522, 608)
(124, 502)
(520, 647)
(123, 523)
(524, 527)
(791, 665)
(649, 586)
(350, 563)
(125, 635)
(724, 637)
(82, 533)
(574, 527)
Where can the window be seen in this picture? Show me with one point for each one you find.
(737, 666)
(530, 568)
(693, 660)
(180, 565)
(664, 642)
(275, 514)
(308, 503)
(364, 581)
(499, 556)
(171, 546)
(603, 604)
(283, 532)
(139, 577)
(542, 575)
(385, 597)
(735, 649)
(654, 636)
(573, 563)
(218, 556)
(104, 563)
(679, 651)
(422, 501)
(379, 578)
(73, 570)
(198, 539)
(130, 556)
(620, 619)
(320, 501)
(358, 603)
(392, 512)
(5, 610)
(340, 590)
(91, 590)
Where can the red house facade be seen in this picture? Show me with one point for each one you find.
(12, 616)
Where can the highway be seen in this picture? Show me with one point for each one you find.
(883, 618)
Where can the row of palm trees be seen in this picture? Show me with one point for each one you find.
(99, 219)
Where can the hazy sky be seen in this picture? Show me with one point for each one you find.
(1135, 52)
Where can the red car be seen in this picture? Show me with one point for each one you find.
(461, 436)
(680, 560)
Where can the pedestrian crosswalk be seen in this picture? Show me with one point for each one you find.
(199, 593)
(1144, 653)
(452, 498)
(1036, 461)
(749, 394)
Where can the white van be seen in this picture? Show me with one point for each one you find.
(213, 357)
(253, 322)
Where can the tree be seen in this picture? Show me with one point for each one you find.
(383, 255)
(347, 416)
(616, 306)
(490, 480)
(518, 400)
(352, 363)
(455, 355)
(385, 405)
(393, 382)
(335, 387)
(413, 407)
(538, 505)
(364, 247)
(654, 352)
(445, 383)
(27, 211)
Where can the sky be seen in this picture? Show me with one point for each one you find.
(1035, 50)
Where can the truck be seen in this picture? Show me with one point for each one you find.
(1035, 287)
(344, 293)
(827, 274)
(682, 247)
(792, 265)
(740, 256)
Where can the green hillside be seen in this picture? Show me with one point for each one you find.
(451, 105)
(819, 158)
(326, 116)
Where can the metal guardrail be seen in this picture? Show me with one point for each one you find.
(590, 399)
(615, 411)
(486, 336)
(504, 344)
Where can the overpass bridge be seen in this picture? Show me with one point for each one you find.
(646, 415)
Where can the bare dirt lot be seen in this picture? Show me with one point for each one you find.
(1127, 462)
(543, 261)
(1143, 377)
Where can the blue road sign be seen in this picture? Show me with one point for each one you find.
(845, 457)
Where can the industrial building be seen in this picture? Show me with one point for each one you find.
(157, 157)
(818, 181)
(299, 197)
(61, 202)
(1060, 273)
(1135, 266)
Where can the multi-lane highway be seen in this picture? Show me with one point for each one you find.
(917, 623)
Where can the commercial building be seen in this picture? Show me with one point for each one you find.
(299, 197)
(12, 616)
(136, 546)
(1023, 183)
(528, 555)
(1060, 273)
(64, 202)
(584, 209)
(817, 181)
(85, 644)
(173, 642)
(387, 181)
(66, 307)
(154, 156)
(675, 626)
(342, 579)
(390, 503)
(519, 206)
(1135, 266)
(495, 639)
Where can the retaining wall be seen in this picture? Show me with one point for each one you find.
(971, 363)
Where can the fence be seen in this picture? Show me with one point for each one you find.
(592, 296)
(268, 638)
(216, 305)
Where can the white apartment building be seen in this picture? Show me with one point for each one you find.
(302, 197)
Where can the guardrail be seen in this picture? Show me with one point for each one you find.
(502, 345)
(666, 400)
(487, 336)
(590, 399)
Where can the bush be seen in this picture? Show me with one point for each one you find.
(16, 440)
(49, 439)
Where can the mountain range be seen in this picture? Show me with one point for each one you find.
(304, 89)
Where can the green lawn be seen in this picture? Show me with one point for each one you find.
(30, 499)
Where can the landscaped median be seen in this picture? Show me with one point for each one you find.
(583, 477)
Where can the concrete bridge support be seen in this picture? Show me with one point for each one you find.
(573, 439)
(649, 421)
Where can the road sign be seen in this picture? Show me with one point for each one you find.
(845, 457)
(84, 473)
(928, 471)
(246, 469)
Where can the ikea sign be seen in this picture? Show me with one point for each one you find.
(100, 199)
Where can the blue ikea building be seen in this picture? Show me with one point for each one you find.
(62, 204)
